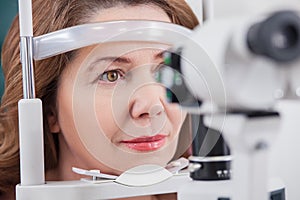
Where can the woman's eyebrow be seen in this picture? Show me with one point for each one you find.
(114, 59)
(109, 59)
(160, 54)
(120, 60)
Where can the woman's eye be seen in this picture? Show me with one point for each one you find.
(111, 76)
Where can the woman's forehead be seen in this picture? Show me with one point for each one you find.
(131, 52)
(139, 12)
(122, 49)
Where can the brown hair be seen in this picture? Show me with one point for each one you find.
(48, 16)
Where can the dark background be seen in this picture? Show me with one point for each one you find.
(8, 10)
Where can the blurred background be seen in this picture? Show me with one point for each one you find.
(8, 10)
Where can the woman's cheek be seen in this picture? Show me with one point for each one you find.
(105, 117)
(176, 115)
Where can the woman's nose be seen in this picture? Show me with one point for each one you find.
(146, 103)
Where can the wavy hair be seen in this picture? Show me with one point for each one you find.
(48, 16)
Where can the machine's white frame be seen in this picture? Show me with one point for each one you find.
(33, 185)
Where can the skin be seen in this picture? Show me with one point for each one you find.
(95, 116)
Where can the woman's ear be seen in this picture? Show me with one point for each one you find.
(53, 121)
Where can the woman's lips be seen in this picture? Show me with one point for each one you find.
(146, 143)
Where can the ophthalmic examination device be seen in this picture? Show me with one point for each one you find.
(227, 73)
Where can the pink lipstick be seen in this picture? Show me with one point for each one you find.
(146, 143)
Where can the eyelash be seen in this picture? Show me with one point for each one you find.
(104, 76)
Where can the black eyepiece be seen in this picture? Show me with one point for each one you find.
(277, 37)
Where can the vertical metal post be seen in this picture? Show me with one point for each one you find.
(27, 67)
(31, 139)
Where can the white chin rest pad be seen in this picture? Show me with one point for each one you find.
(144, 175)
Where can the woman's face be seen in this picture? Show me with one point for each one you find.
(112, 115)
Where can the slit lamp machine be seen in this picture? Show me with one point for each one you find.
(228, 73)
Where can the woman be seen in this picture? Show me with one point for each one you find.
(63, 110)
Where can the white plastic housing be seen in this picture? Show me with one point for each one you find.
(185, 188)
(25, 17)
(75, 37)
(31, 142)
(220, 69)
